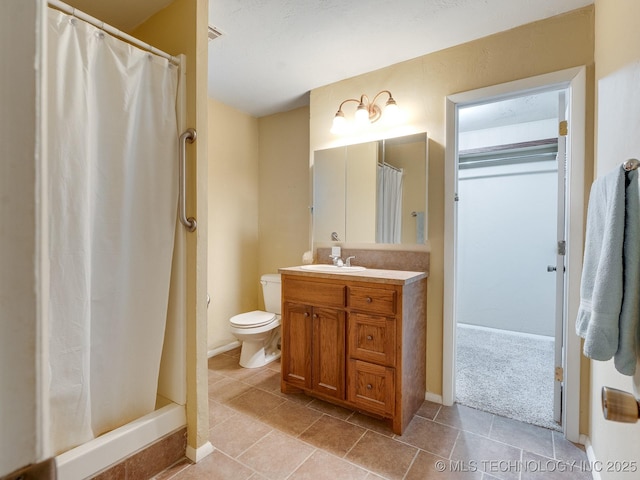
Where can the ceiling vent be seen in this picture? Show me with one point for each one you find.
(214, 33)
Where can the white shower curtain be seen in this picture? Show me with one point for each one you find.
(112, 137)
(389, 205)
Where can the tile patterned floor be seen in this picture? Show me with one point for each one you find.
(259, 433)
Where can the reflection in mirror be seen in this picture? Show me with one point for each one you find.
(373, 192)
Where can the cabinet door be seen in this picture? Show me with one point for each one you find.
(296, 345)
(329, 352)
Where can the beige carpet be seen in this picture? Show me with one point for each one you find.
(506, 373)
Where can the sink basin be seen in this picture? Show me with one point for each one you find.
(332, 268)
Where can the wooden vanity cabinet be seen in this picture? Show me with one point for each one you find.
(355, 342)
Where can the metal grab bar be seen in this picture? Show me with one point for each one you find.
(190, 223)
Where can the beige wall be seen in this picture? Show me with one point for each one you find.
(420, 87)
(283, 219)
(233, 218)
(617, 55)
(181, 28)
(258, 207)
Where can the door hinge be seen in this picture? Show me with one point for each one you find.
(559, 374)
(562, 247)
(563, 128)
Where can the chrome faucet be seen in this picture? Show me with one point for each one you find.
(337, 261)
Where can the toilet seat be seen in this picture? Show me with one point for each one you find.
(254, 319)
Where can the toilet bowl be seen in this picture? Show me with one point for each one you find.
(259, 331)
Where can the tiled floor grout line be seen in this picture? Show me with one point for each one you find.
(254, 443)
(455, 442)
(355, 443)
(415, 456)
(436, 414)
(253, 470)
(315, 449)
(493, 420)
(521, 462)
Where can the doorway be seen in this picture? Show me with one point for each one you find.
(503, 164)
(508, 225)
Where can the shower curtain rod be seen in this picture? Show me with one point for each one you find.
(385, 164)
(111, 30)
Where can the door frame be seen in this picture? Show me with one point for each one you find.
(560, 272)
(574, 79)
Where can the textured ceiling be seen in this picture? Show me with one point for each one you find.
(273, 52)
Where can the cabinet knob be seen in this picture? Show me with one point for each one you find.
(315, 315)
(369, 300)
(369, 386)
(306, 314)
(369, 337)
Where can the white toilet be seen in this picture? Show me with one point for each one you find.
(259, 331)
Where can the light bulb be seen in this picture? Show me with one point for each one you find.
(391, 112)
(339, 123)
(362, 115)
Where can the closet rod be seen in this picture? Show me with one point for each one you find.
(111, 30)
(464, 163)
(631, 164)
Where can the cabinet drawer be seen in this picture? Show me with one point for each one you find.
(372, 387)
(313, 293)
(372, 338)
(374, 300)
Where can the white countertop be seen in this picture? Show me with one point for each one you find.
(397, 277)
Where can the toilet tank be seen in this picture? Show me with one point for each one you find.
(272, 292)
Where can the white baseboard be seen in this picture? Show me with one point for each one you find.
(432, 397)
(583, 439)
(224, 348)
(591, 456)
(506, 332)
(197, 454)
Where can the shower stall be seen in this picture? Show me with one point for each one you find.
(114, 242)
(110, 272)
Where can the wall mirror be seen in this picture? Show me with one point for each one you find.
(374, 192)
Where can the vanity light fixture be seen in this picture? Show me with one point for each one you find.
(367, 112)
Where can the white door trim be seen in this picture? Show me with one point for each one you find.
(575, 80)
(560, 274)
